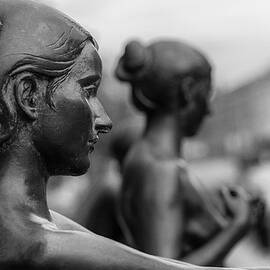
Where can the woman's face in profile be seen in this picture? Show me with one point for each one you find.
(69, 131)
(198, 108)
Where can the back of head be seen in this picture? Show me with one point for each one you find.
(158, 72)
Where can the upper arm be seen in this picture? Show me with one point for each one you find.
(79, 250)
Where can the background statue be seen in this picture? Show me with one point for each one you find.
(166, 211)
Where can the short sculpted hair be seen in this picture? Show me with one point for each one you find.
(46, 45)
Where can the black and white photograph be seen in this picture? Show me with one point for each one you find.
(134, 135)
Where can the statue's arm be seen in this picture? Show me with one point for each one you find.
(214, 251)
(79, 250)
(203, 255)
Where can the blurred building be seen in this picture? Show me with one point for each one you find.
(240, 122)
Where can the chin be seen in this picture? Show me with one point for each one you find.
(80, 168)
(73, 167)
(190, 132)
(192, 129)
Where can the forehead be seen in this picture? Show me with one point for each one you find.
(88, 63)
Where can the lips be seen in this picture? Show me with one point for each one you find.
(91, 142)
(91, 148)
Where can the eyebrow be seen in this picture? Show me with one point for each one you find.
(86, 81)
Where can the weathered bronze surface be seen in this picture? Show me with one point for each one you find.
(50, 120)
(166, 211)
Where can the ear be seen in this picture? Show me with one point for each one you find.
(26, 94)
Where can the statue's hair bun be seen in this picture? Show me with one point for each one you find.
(133, 63)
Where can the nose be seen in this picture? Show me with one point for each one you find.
(103, 123)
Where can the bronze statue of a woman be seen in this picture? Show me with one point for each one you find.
(50, 119)
(165, 212)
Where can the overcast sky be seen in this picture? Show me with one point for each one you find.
(235, 34)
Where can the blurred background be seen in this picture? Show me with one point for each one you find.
(234, 143)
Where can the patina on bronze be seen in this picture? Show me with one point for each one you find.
(50, 120)
(166, 211)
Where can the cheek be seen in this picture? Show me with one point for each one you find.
(68, 126)
(190, 113)
(76, 120)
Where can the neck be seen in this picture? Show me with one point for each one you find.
(23, 179)
(163, 132)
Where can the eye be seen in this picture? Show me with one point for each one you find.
(90, 90)
(89, 85)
